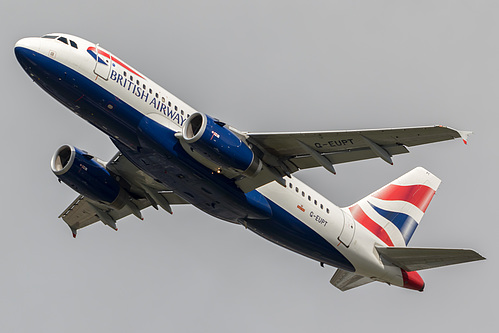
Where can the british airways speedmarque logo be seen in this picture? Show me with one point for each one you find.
(135, 89)
(98, 55)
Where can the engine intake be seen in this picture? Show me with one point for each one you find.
(84, 174)
(219, 144)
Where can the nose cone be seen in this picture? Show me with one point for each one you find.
(26, 48)
(30, 43)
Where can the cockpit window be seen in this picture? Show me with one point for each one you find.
(73, 44)
(50, 36)
(63, 39)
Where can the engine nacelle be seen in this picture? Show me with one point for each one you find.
(220, 145)
(84, 174)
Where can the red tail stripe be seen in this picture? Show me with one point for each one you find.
(418, 195)
(361, 217)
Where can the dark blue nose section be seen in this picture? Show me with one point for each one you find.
(27, 53)
(25, 57)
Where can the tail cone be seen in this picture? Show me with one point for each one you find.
(412, 280)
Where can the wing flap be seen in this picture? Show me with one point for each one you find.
(415, 259)
(306, 161)
(344, 280)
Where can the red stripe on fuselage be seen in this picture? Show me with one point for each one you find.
(116, 60)
(418, 195)
(361, 217)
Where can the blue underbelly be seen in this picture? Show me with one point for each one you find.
(287, 231)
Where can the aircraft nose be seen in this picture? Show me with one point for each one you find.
(26, 51)
(29, 43)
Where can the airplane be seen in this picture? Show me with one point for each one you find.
(170, 154)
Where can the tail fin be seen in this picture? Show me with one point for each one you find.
(393, 212)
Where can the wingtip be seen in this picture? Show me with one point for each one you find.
(464, 135)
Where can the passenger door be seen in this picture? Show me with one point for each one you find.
(103, 63)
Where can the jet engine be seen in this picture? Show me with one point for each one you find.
(87, 175)
(215, 142)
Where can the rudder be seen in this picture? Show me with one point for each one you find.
(394, 211)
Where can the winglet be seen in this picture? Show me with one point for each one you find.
(464, 135)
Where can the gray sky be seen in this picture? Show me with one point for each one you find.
(259, 66)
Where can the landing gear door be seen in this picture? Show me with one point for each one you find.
(103, 63)
(348, 230)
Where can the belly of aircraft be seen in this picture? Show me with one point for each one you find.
(287, 231)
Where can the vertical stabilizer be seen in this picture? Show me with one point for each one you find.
(393, 212)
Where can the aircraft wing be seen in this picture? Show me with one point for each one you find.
(144, 192)
(302, 150)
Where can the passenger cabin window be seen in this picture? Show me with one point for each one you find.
(63, 39)
(73, 44)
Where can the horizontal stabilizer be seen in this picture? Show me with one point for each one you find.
(344, 280)
(415, 259)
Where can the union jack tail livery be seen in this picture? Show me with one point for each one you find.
(393, 212)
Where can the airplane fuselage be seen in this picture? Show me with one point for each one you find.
(142, 119)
